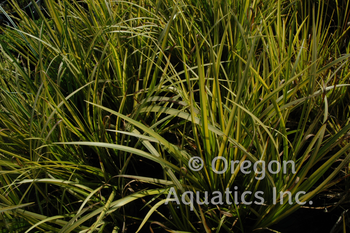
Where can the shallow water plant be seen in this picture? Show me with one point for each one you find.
(101, 120)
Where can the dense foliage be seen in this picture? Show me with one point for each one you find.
(104, 105)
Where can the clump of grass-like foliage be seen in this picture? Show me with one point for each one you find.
(104, 103)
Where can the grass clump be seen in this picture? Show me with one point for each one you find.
(105, 104)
